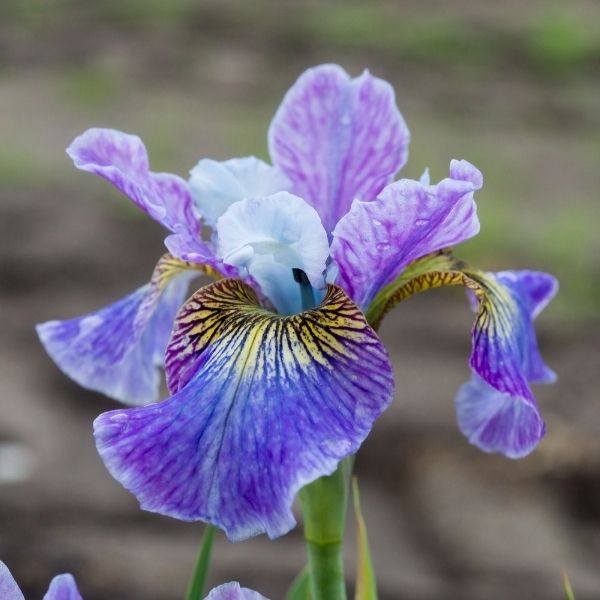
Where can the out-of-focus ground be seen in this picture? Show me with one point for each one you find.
(512, 86)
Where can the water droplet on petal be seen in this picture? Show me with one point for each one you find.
(421, 222)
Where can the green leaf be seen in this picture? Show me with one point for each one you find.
(300, 588)
(366, 586)
(568, 588)
(195, 590)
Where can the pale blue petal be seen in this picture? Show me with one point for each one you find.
(217, 185)
(269, 236)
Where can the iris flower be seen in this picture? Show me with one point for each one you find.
(63, 587)
(275, 371)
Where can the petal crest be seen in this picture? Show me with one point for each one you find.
(375, 241)
(262, 405)
(121, 159)
(116, 350)
(338, 139)
(267, 237)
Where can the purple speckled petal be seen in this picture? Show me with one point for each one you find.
(9, 590)
(496, 409)
(498, 422)
(121, 159)
(338, 139)
(63, 587)
(375, 241)
(118, 349)
(531, 290)
(192, 249)
(233, 591)
(505, 352)
(262, 406)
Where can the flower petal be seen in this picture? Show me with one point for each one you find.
(116, 350)
(233, 591)
(498, 422)
(262, 406)
(9, 590)
(122, 159)
(267, 237)
(192, 249)
(375, 241)
(531, 290)
(217, 185)
(338, 139)
(496, 409)
(63, 587)
(501, 333)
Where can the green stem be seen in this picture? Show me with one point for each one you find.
(324, 504)
(327, 571)
(195, 589)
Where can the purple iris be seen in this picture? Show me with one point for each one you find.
(273, 382)
(63, 587)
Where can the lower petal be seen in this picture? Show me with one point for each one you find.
(116, 350)
(262, 406)
(498, 422)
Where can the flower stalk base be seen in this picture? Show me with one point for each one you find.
(324, 504)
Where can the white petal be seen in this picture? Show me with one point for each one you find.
(269, 236)
(217, 185)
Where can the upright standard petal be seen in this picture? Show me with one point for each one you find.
(63, 587)
(262, 405)
(267, 237)
(217, 185)
(338, 139)
(233, 591)
(121, 159)
(9, 590)
(375, 241)
(118, 349)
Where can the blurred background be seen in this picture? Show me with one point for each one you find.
(512, 86)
